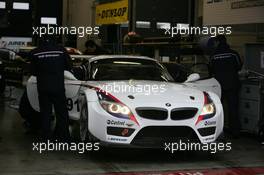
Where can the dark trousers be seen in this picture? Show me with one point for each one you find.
(58, 100)
(230, 100)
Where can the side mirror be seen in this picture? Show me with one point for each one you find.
(202, 69)
(193, 77)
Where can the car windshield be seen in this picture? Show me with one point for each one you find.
(126, 69)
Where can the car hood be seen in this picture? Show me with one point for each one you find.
(152, 93)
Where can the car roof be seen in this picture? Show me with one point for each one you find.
(102, 57)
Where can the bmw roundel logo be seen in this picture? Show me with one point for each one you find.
(168, 104)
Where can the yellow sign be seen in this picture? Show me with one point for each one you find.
(112, 13)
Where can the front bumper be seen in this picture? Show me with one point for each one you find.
(150, 133)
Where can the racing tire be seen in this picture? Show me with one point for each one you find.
(83, 127)
(31, 117)
(80, 132)
(85, 135)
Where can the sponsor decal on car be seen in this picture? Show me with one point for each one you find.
(209, 138)
(209, 123)
(116, 123)
(129, 124)
(116, 139)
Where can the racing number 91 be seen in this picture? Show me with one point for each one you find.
(71, 104)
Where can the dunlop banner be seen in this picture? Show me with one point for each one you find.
(112, 13)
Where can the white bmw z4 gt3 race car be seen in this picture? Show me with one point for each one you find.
(133, 101)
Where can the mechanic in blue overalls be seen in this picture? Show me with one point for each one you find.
(225, 64)
(48, 64)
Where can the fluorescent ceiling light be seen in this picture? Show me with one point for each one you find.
(48, 20)
(21, 6)
(2, 5)
(163, 25)
(143, 24)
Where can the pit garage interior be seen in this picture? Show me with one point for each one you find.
(135, 28)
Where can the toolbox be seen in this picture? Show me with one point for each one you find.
(251, 105)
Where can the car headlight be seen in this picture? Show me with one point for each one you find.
(116, 109)
(208, 110)
(114, 106)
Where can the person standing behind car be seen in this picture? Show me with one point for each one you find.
(225, 64)
(49, 61)
(93, 49)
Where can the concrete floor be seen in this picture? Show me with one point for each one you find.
(17, 157)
